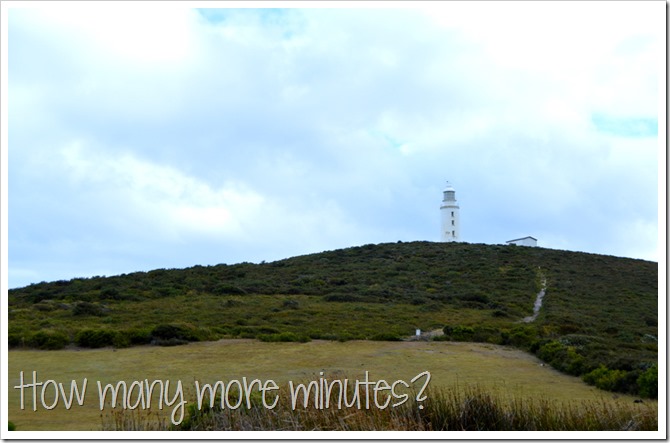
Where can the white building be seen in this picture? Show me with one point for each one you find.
(449, 210)
(525, 241)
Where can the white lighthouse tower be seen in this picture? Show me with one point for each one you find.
(449, 209)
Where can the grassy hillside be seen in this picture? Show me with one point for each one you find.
(598, 320)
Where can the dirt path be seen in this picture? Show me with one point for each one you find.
(538, 302)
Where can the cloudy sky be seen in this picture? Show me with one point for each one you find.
(161, 136)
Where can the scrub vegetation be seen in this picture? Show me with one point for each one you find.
(598, 319)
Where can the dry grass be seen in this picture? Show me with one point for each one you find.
(470, 409)
(457, 367)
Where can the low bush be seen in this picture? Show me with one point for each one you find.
(473, 297)
(291, 304)
(386, 336)
(345, 336)
(121, 340)
(110, 294)
(44, 306)
(340, 297)
(95, 338)
(15, 340)
(522, 336)
(139, 336)
(169, 341)
(49, 340)
(228, 290)
(87, 308)
(284, 337)
(430, 307)
(647, 382)
(607, 379)
(180, 332)
(458, 332)
(563, 357)
(166, 332)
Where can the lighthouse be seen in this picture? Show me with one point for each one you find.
(449, 210)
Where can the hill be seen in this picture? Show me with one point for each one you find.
(598, 318)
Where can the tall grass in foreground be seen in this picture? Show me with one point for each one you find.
(472, 409)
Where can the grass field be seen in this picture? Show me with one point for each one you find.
(506, 371)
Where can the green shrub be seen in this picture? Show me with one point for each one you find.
(284, 337)
(340, 297)
(167, 332)
(430, 307)
(550, 350)
(563, 357)
(473, 297)
(386, 336)
(49, 340)
(139, 336)
(95, 338)
(345, 336)
(44, 306)
(11, 426)
(484, 334)
(165, 291)
(522, 336)
(14, 340)
(458, 332)
(228, 290)
(268, 337)
(291, 304)
(121, 340)
(647, 382)
(180, 332)
(606, 379)
(110, 293)
(170, 341)
(464, 331)
(575, 364)
(651, 321)
(86, 308)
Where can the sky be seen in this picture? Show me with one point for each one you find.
(144, 136)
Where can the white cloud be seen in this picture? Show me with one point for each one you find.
(172, 207)
(162, 199)
(139, 34)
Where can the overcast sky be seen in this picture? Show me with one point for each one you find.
(165, 137)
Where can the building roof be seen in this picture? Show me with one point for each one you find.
(522, 238)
